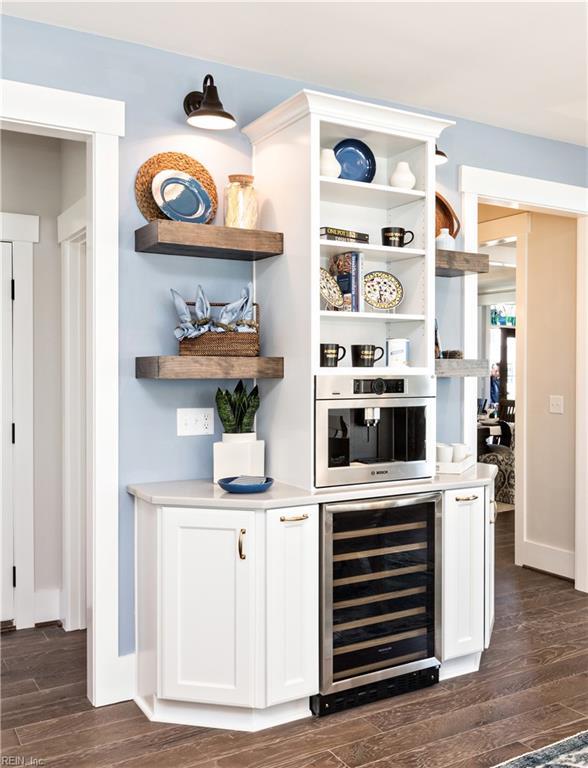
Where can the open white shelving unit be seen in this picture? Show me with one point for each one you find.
(368, 208)
(296, 200)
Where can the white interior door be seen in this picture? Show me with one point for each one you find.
(6, 443)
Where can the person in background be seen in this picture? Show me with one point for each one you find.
(495, 384)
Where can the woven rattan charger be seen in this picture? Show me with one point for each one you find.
(176, 161)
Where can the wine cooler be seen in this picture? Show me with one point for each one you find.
(380, 599)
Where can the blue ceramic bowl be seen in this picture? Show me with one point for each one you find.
(226, 483)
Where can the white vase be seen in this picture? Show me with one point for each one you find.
(238, 454)
(402, 176)
(330, 166)
(445, 241)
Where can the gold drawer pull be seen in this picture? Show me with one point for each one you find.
(294, 518)
(466, 498)
(242, 555)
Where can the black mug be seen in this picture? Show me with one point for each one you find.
(330, 357)
(364, 355)
(396, 236)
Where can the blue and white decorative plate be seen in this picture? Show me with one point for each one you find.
(356, 159)
(228, 484)
(181, 197)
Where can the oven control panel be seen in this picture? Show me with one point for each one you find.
(373, 386)
(378, 386)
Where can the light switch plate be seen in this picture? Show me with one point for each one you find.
(556, 404)
(195, 421)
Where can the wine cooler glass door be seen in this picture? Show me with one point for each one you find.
(380, 606)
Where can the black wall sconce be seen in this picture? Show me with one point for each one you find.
(205, 109)
(440, 156)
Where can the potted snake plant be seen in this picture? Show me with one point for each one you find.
(240, 452)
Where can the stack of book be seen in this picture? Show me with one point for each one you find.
(345, 235)
(348, 271)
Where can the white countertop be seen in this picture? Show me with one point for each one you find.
(204, 493)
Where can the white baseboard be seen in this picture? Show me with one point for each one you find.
(554, 560)
(47, 605)
(462, 665)
(217, 716)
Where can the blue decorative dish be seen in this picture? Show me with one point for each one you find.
(356, 159)
(228, 484)
(181, 197)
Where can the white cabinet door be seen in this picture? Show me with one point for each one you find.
(463, 573)
(489, 598)
(292, 579)
(207, 612)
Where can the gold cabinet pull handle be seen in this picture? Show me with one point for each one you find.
(294, 518)
(466, 498)
(242, 555)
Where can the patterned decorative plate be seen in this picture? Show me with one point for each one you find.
(330, 290)
(382, 290)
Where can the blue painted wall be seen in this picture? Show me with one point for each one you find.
(153, 84)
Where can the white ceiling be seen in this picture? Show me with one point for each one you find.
(516, 65)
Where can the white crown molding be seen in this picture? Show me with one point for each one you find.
(526, 191)
(38, 105)
(342, 109)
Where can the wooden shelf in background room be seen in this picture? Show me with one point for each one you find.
(180, 238)
(460, 263)
(206, 367)
(445, 368)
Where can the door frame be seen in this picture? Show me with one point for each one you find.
(519, 225)
(72, 237)
(479, 185)
(100, 122)
(505, 333)
(6, 505)
(22, 232)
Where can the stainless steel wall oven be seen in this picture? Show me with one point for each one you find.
(380, 599)
(373, 429)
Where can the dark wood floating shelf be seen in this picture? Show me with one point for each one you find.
(206, 241)
(204, 367)
(460, 263)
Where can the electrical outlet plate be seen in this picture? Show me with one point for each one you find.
(556, 404)
(195, 421)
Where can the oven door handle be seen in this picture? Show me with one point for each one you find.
(364, 506)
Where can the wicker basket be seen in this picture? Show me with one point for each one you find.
(227, 344)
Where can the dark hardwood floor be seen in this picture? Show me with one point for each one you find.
(532, 690)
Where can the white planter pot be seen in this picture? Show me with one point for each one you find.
(330, 166)
(238, 454)
(402, 176)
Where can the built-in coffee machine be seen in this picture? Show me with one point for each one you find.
(371, 428)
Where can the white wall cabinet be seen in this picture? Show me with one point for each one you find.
(207, 606)
(232, 639)
(464, 568)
